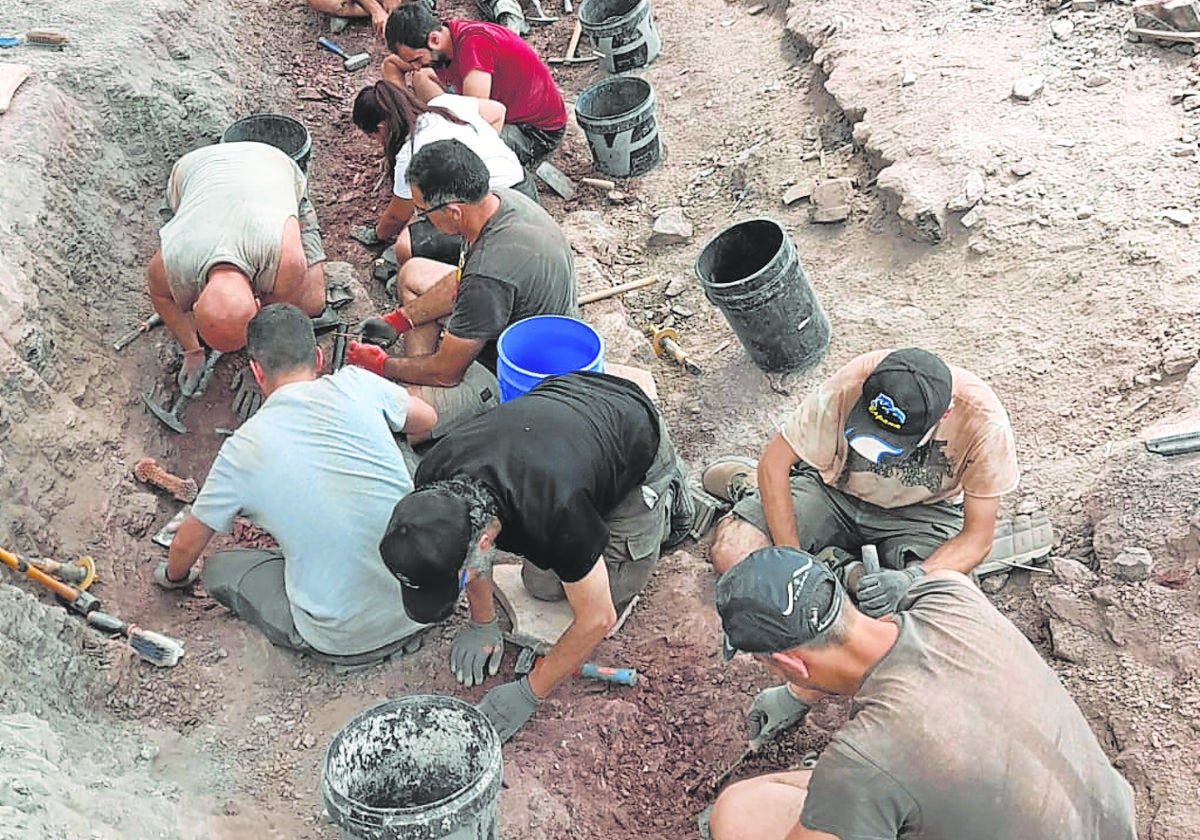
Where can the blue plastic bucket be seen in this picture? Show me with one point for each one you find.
(545, 345)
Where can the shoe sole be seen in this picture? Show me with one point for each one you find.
(1018, 542)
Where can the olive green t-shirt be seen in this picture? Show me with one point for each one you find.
(962, 732)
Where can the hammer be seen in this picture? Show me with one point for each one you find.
(350, 62)
(569, 57)
(171, 418)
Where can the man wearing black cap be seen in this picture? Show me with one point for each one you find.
(896, 449)
(958, 730)
(577, 471)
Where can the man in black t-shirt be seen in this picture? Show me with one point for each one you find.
(517, 263)
(580, 469)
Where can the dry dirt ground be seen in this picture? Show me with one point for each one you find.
(1065, 287)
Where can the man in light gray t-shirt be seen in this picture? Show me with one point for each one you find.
(958, 730)
(318, 468)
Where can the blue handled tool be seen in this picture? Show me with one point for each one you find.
(350, 62)
(620, 676)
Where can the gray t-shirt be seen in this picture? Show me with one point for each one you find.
(520, 266)
(962, 732)
(318, 468)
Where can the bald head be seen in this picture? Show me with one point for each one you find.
(224, 308)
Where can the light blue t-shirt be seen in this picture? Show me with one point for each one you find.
(317, 466)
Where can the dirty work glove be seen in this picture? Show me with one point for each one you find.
(365, 234)
(378, 332)
(773, 710)
(880, 593)
(477, 647)
(191, 372)
(160, 577)
(508, 706)
(248, 398)
(366, 356)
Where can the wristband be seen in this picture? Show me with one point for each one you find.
(398, 321)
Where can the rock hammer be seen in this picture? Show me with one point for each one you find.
(171, 418)
(350, 62)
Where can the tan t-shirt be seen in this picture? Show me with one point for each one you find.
(971, 451)
(231, 201)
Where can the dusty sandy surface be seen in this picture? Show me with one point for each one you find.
(1069, 291)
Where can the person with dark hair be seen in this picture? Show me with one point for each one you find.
(486, 61)
(318, 468)
(403, 123)
(515, 263)
(580, 478)
(243, 234)
(958, 729)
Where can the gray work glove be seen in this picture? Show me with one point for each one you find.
(191, 371)
(477, 647)
(160, 577)
(508, 706)
(880, 593)
(365, 234)
(248, 397)
(773, 710)
(378, 332)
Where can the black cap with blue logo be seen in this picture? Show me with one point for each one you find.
(902, 400)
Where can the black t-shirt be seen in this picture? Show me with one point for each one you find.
(520, 266)
(558, 460)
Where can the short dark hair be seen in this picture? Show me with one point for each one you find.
(280, 338)
(410, 24)
(447, 171)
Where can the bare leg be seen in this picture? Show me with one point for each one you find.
(734, 539)
(763, 808)
(339, 8)
(426, 288)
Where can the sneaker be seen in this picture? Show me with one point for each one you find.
(1018, 542)
(731, 478)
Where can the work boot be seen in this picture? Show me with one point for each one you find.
(730, 478)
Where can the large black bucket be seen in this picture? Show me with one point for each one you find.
(619, 115)
(752, 273)
(622, 31)
(285, 133)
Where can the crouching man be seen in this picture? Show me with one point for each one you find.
(318, 468)
(580, 478)
(959, 730)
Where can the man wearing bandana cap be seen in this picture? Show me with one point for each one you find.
(896, 449)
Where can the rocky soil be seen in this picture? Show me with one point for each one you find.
(1043, 240)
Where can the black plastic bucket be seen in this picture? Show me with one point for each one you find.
(279, 130)
(421, 767)
(752, 273)
(619, 115)
(622, 31)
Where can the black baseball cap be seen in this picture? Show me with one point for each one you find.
(902, 399)
(424, 547)
(776, 599)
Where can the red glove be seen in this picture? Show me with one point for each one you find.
(398, 321)
(366, 356)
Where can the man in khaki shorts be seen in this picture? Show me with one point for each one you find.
(516, 264)
(243, 235)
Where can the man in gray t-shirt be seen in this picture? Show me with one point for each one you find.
(516, 264)
(318, 468)
(958, 730)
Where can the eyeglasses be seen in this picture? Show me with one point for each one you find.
(424, 212)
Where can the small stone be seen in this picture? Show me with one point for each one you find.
(179, 54)
(972, 217)
(1182, 150)
(968, 196)
(616, 197)
(1062, 28)
(831, 200)
(1095, 80)
(1021, 168)
(993, 583)
(1177, 360)
(979, 249)
(676, 287)
(755, 9)
(1027, 88)
(1187, 138)
(671, 228)
(800, 191)
(1083, 5)
(682, 311)
(1178, 217)
(1072, 571)
(908, 79)
(1133, 564)
(1191, 103)
(1085, 211)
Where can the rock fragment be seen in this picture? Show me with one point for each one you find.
(1133, 564)
(798, 192)
(969, 194)
(1062, 28)
(1183, 218)
(1028, 88)
(671, 228)
(831, 200)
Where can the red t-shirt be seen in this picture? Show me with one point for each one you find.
(521, 81)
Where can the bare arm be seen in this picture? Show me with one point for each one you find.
(493, 113)
(775, 491)
(178, 322)
(191, 538)
(478, 84)
(967, 549)
(445, 368)
(422, 417)
(394, 217)
(594, 616)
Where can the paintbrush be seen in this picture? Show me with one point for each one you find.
(155, 648)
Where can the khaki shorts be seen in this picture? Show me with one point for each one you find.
(476, 393)
(826, 516)
(310, 231)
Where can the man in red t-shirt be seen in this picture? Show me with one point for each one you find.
(483, 60)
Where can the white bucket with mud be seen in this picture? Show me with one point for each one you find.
(421, 767)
